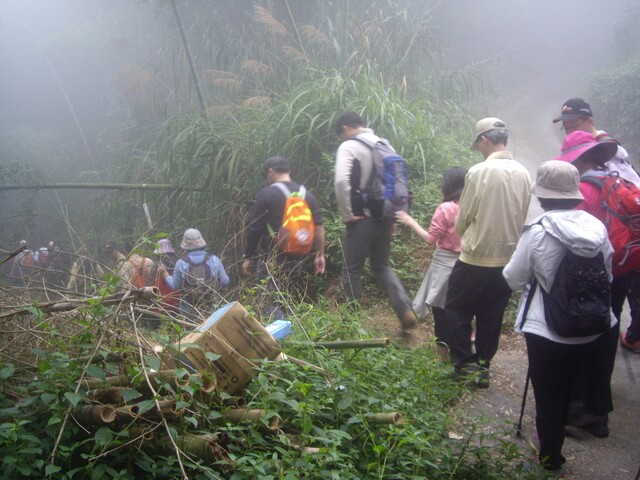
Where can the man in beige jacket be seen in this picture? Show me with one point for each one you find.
(493, 209)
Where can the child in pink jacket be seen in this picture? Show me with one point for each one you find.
(443, 235)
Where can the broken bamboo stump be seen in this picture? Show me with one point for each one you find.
(254, 415)
(389, 418)
(95, 414)
(344, 344)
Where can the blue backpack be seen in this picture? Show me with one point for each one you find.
(387, 189)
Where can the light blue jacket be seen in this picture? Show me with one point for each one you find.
(218, 273)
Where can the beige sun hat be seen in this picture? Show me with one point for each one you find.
(192, 240)
(556, 179)
(486, 125)
(164, 246)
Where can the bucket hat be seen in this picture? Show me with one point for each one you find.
(164, 246)
(192, 240)
(556, 179)
(580, 143)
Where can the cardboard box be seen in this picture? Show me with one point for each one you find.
(240, 340)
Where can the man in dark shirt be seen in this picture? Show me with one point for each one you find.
(266, 220)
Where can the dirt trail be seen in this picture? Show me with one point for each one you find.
(533, 140)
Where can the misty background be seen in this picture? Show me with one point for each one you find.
(98, 91)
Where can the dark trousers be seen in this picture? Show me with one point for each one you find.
(440, 325)
(627, 287)
(553, 368)
(284, 278)
(481, 292)
(371, 238)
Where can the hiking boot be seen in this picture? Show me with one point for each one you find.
(472, 375)
(595, 425)
(631, 346)
(408, 321)
(598, 428)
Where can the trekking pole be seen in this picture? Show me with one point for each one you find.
(524, 402)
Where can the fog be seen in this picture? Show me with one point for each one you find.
(73, 72)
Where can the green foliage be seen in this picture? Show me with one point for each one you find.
(328, 426)
(617, 104)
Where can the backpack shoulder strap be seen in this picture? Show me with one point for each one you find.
(595, 180)
(283, 188)
(302, 192)
(605, 137)
(364, 141)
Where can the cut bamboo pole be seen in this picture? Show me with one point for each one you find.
(106, 395)
(127, 413)
(240, 415)
(394, 418)
(205, 447)
(100, 186)
(209, 383)
(131, 295)
(343, 344)
(171, 377)
(95, 414)
(299, 362)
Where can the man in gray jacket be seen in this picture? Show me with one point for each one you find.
(365, 235)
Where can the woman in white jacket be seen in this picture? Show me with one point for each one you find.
(555, 361)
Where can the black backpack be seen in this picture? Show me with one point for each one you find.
(198, 279)
(578, 303)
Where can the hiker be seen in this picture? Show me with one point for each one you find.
(576, 114)
(442, 233)
(166, 254)
(589, 156)
(493, 208)
(555, 361)
(366, 235)
(196, 275)
(265, 238)
(133, 271)
(169, 300)
(23, 265)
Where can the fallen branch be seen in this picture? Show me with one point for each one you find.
(131, 295)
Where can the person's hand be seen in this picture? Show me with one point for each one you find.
(162, 271)
(404, 217)
(247, 266)
(355, 218)
(319, 264)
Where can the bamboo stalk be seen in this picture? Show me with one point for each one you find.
(394, 418)
(134, 294)
(299, 362)
(127, 413)
(100, 186)
(95, 414)
(171, 376)
(205, 447)
(115, 381)
(240, 415)
(106, 395)
(167, 409)
(343, 344)
(209, 383)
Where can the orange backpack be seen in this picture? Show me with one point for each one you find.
(140, 276)
(297, 231)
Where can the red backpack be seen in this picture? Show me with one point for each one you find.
(620, 212)
(297, 231)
